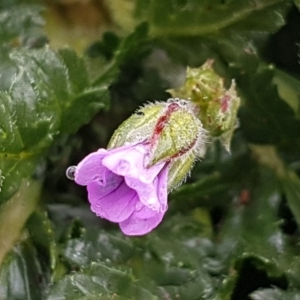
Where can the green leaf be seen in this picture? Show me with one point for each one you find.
(20, 25)
(188, 18)
(42, 236)
(206, 186)
(178, 258)
(21, 275)
(46, 98)
(265, 112)
(98, 282)
(191, 18)
(270, 250)
(15, 212)
(95, 245)
(291, 187)
(132, 49)
(288, 89)
(19, 21)
(275, 294)
(160, 263)
(297, 3)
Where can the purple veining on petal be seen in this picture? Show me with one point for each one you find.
(115, 205)
(97, 191)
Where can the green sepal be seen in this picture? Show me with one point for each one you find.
(179, 170)
(138, 127)
(178, 136)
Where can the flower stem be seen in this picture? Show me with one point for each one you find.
(15, 212)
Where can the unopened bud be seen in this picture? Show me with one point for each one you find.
(173, 132)
(217, 105)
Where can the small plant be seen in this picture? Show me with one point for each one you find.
(180, 119)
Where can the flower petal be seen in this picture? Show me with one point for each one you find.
(140, 226)
(90, 168)
(143, 212)
(147, 175)
(97, 190)
(114, 204)
(146, 193)
(128, 160)
(154, 194)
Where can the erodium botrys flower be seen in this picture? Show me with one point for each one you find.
(149, 154)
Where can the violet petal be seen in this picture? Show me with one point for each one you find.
(140, 226)
(119, 163)
(146, 193)
(90, 168)
(97, 190)
(147, 175)
(144, 212)
(114, 204)
(153, 195)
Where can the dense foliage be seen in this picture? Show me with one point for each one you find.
(232, 230)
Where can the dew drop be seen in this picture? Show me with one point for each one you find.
(153, 204)
(143, 178)
(183, 102)
(171, 100)
(140, 113)
(70, 173)
(152, 200)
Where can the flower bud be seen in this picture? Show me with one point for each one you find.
(173, 131)
(217, 106)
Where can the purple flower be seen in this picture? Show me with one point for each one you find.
(123, 190)
(148, 155)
